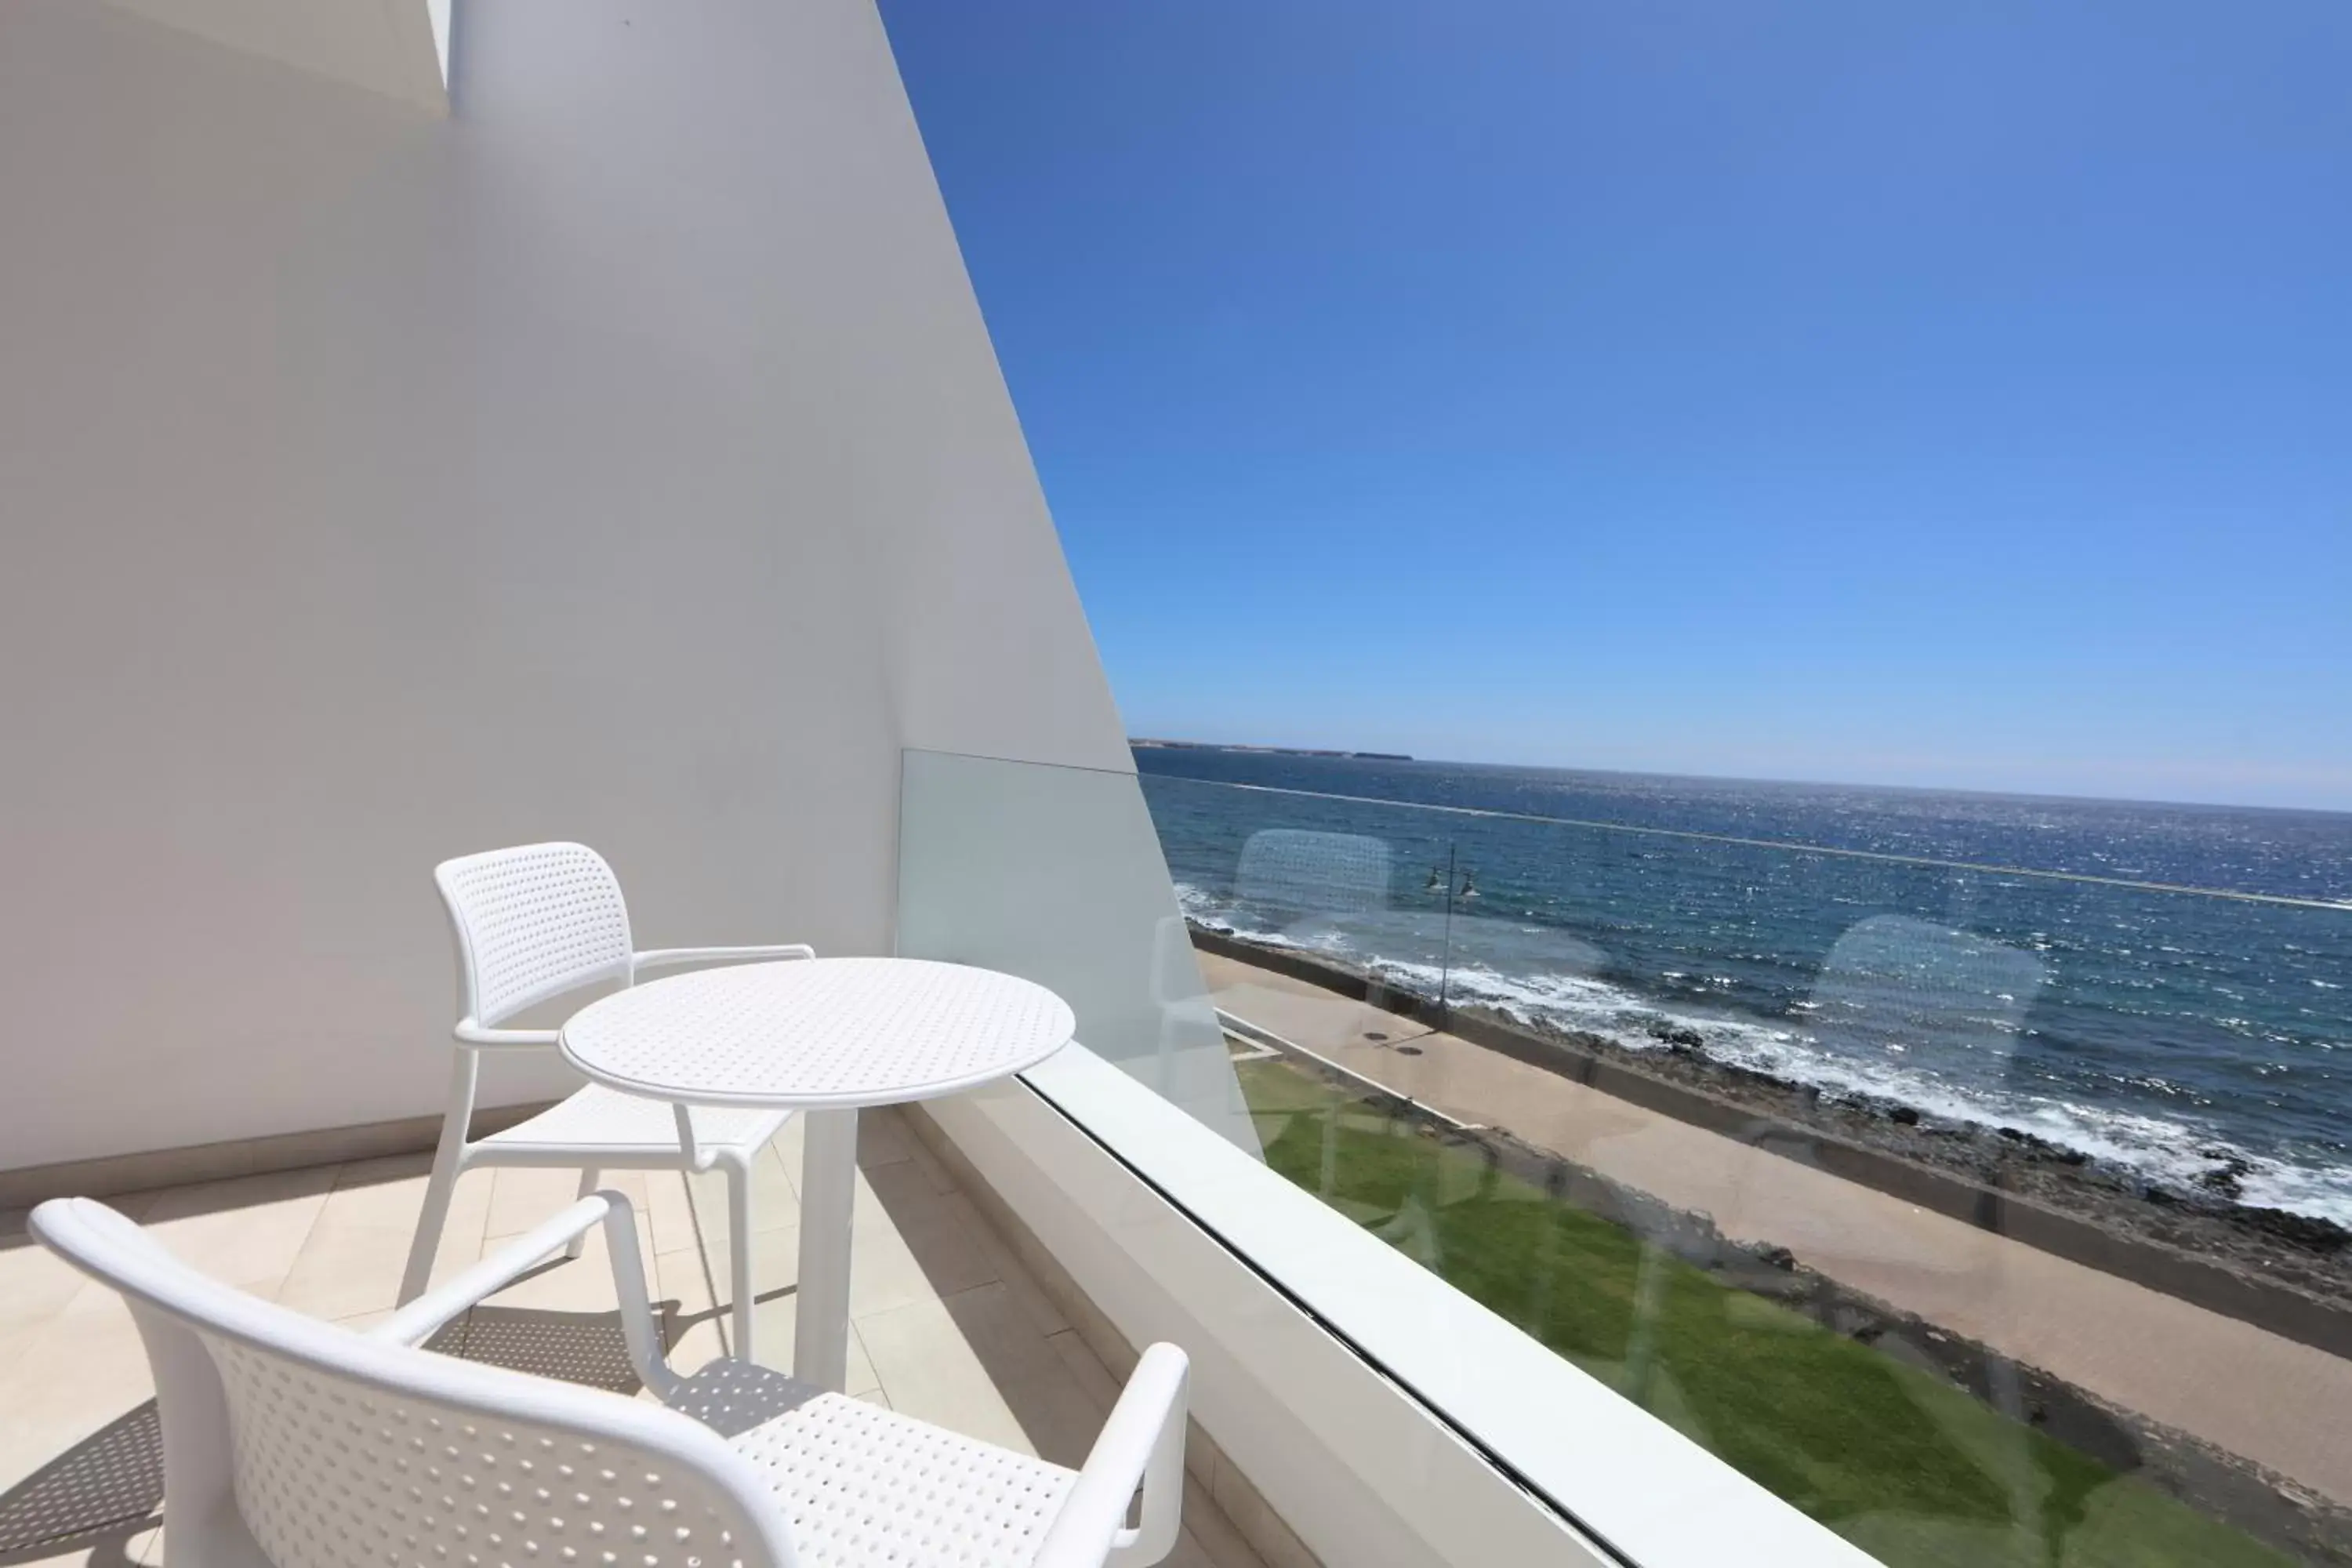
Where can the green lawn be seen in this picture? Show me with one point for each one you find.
(1894, 1459)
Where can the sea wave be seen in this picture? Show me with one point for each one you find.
(2174, 1153)
(1211, 913)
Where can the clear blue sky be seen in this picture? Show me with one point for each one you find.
(1946, 395)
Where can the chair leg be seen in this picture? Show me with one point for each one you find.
(738, 1251)
(588, 1176)
(449, 1163)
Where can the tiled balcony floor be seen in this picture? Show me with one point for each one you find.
(946, 1323)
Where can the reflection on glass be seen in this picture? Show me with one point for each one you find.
(1990, 1217)
(1056, 875)
(1288, 871)
(1920, 1012)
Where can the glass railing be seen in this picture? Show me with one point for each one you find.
(1988, 1213)
(1056, 874)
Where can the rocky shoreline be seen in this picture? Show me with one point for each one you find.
(2271, 1250)
(2312, 1256)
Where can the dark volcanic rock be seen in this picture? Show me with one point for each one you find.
(2305, 1254)
(2228, 1177)
(2322, 1235)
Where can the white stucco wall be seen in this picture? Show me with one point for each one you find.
(620, 457)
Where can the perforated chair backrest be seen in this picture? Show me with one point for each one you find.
(534, 922)
(1937, 1006)
(1293, 871)
(346, 1452)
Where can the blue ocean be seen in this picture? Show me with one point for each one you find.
(2166, 988)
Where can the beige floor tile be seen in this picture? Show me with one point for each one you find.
(97, 1500)
(582, 1283)
(246, 1231)
(890, 1266)
(897, 1216)
(1210, 1537)
(983, 1326)
(1240, 1501)
(352, 1260)
(1003, 1262)
(684, 1276)
(682, 1279)
(789, 1145)
(524, 1195)
(391, 1190)
(80, 1370)
(1189, 1552)
(775, 1328)
(35, 1286)
(902, 1191)
(775, 1266)
(1084, 1365)
(670, 1210)
(706, 1320)
(961, 1362)
(116, 1548)
(940, 1178)
(696, 1346)
(883, 1137)
(775, 1204)
(961, 1398)
(1060, 1422)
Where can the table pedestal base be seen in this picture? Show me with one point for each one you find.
(828, 1199)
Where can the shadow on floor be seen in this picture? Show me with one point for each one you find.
(110, 1482)
(586, 1348)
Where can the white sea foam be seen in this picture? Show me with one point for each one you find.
(1213, 914)
(2172, 1151)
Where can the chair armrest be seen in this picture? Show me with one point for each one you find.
(417, 1322)
(1142, 1444)
(470, 1033)
(657, 957)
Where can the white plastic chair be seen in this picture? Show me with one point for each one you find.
(1293, 871)
(532, 923)
(291, 1443)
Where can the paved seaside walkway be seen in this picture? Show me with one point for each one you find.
(2283, 1405)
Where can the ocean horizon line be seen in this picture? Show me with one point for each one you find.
(1791, 846)
(1965, 792)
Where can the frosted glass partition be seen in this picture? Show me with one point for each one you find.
(1056, 874)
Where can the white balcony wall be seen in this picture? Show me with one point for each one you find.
(620, 456)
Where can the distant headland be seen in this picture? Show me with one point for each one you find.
(1139, 740)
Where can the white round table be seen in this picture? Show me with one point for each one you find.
(822, 1036)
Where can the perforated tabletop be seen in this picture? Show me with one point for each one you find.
(813, 1033)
